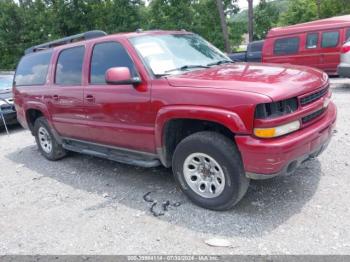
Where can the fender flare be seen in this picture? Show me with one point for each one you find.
(43, 109)
(37, 106)
(220, 116)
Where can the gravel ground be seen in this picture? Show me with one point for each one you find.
(86, 205)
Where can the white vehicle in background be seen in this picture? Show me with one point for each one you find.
(344, 66)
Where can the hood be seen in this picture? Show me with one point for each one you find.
(276, 81)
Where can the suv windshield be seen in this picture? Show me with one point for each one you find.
(6, 82)
(173, 54)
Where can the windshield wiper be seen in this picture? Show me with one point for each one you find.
(185, 67)
(221, 62)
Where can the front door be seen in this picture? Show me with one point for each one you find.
(117, 115)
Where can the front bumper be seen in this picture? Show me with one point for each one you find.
(344, 70)
(266, 158)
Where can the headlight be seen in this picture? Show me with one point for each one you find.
(276, 109)
(277, 131)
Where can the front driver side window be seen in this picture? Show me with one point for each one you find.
(107, 55)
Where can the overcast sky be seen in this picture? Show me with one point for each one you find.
(243, 4)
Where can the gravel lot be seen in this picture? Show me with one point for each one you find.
(86, 205)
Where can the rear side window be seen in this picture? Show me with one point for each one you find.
(108, 55)
(285, 46)
(312, 40)
(330, 39)
(33, 68)
(70, 66)
(347, 36)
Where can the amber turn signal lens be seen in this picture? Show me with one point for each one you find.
(277, 131)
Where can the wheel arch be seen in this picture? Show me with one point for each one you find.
(174, 123)
(33, 111)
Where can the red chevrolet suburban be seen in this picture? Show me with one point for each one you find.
(171, 98)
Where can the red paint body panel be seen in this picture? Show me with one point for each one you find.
(270, 156)
(275, 81)
(326, 59)
(134, 116)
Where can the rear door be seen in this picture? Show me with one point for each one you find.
(330, 51)
(65, 100)
(117, 115)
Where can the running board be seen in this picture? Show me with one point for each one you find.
(124, 156)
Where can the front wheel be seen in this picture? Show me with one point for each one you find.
(208, 168)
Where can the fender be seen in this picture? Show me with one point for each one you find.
(43, 109)
(221, 116)
(36, 105)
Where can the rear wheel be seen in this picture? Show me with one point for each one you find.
(47, 144)
(208, 168)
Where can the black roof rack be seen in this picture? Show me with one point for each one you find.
(66, 40)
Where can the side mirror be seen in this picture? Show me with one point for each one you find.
(120, 76)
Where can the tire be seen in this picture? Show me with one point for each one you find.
(53, 150)
(217, 184)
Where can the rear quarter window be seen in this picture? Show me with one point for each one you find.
(33, 69)
(285, 46)
(330, 39)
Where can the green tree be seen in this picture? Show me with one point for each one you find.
(266, 16)
(329, 8)
(299, 11)
(11, 29)
(115, 16)
(25, 23)
(207, 22)
(171, 14)
(199, 16)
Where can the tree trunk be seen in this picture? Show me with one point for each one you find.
(250, 20)
(224, 25)
(318, 3)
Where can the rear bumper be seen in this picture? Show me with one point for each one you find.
(266, 158)
(344, 70)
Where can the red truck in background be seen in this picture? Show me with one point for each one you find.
(171, 98)
(317, 44)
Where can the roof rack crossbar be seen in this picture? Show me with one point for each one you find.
(66, 40)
